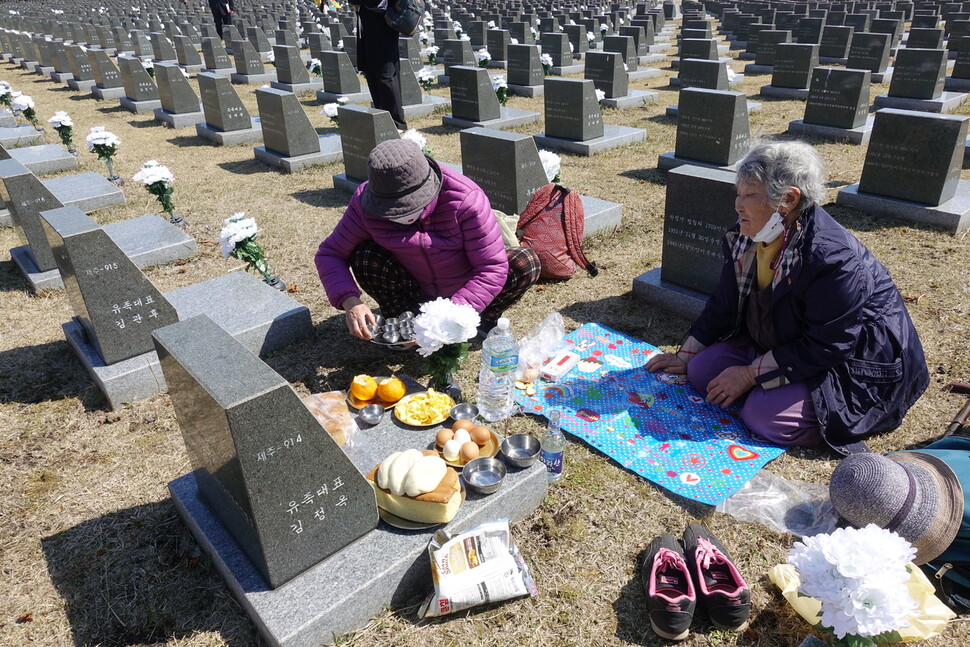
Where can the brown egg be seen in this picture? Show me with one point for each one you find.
(468, 451)
(443, 436)
(463, 424)
(480, 435)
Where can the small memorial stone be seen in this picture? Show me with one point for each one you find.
(361, 129)
(216, 57)
(608, 74)
(224, 111)
(703, 73)
(339, 76)
(835, 42)
(472, 96)
(571, 109)
(712, 126)
(163, 49)
(524, 68)
(838, 97)
(505, 165)
(869, 51)
(918, 73)
(286, 128)
(793, 66)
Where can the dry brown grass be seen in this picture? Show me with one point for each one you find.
(91, 549)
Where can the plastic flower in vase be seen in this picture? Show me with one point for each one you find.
(418, 139)
(442, 331)
(238, 239)
(426, 77)
(600, 95)
(546, 61)
(457, 27)
(551, 164)
(6, 94)
(483, 57)
(105, 145)
(149, 66)
(501, 89)
(315, 67)
(431, 54)
(424, 38)
(62, 123)
(603, 29)
(24, 105)
(860, 578)
(590, 37)
(158, 180)
(331, 110)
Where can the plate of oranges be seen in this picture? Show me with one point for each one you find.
(382, 390)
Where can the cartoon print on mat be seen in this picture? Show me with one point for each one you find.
(653, 424)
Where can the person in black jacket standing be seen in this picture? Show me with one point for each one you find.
(379, 59)
(222, 11)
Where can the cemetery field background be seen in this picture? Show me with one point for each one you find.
(92, 551)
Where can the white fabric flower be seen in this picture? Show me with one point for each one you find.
(513, 41)
(490, 24)
(590, 37)
(551, 164)
(415, 137)
(600, 95)
(483, 55)
(426, 74)
(101, 137)
(330, 109)
(545, 59)
(498, 81)
(236, 229)
(152, 172)
(464, 37)
(444, 322)
(60, 119)
(21, 102)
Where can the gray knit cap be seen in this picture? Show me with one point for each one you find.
(913, 494)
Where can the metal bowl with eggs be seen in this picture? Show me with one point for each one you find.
(464, 442)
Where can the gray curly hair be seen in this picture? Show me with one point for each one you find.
(779, 165)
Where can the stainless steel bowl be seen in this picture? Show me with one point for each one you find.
(483, 475)
(520, 450)
(464, 411)
(371, 414)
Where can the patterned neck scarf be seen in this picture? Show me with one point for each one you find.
(744, 256)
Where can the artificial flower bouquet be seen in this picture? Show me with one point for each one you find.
(158, 180)
(442, 331)
(64, 125)
(238, 239)
(105, 145)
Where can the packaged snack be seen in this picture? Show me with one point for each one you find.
(330, 410)
(476, 567)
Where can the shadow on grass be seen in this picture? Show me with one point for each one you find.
(651, 175)
(111, 109)
(189, 141)
(87, 96)
(146, 123)
(325, 197)
(135, 577)
(246, 167)
(859, 220)
(45, 372)
(11, 280)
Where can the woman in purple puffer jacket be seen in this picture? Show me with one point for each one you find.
(416, 231)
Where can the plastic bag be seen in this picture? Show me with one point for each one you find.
(929, 620)
(330, 410)
(479, 566)
(542, 341)
(795, 507)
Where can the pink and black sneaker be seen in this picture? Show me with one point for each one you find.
(721, 590)
(670, 593)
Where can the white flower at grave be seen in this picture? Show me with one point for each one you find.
(534, 31)
(152, 172)
(57, 12)
(498, 81)
(514, 41)
(571, 22)
(313, 64)
(859, 576)
(442, 322)
(731, 74)
(330, 109)
(551, 164)
(428, 51)
(424, 38)
(5, 89)
(621, 20)
(603, 28)
(236, 229)
(590, 37)
(60, 119)
(21, 102)
(342, 100)
(464, 37)
(600, 95)
(147, 63)
(570, 47)
(184, 72)
(426, 74)
(340, 45)
(101, 137)
(271, 56)
(545, 60)
(483, 55)
(416, 137)
(490, 24)
(456, 25)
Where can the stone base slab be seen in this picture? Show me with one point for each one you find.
(252, 79)
(45, 158)
(224, 71)
(330, 152)
(7, 118)
(650, 59)
(429, 103)
(192, 69)
(667, 161)
(634, 99)
(357, 98)
(565, 70)
(883, 77)
(510, 117)
(643, 73)
(858, 135)
(316, 83)
(249, 135)
(61, 77)
(613, 137)
(956, 85)
(387, 566)
(801, 94)
(179, 120)
(527, 90)
(675, 63)
(946, 102)
(15, 136)
(139, 107)
(80, 86)
(672, 111)
(733, 81)
(832, 60)
(754, 68)
(106, 93)
(86, 191)
(600, 216)
(37, 281)
(346, 184)
(953, 215)
(671, 298)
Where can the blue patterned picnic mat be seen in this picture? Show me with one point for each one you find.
(654, 424)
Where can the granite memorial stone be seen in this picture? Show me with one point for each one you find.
(712, 126)
(571, 109)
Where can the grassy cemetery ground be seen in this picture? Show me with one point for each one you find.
(92, 551)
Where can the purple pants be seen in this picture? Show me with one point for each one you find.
(784, 416)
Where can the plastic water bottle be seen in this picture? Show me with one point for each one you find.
(553, 449)
(496, 380)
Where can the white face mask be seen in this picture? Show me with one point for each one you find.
(406, 219)
(772, 229)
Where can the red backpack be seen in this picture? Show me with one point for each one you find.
(552, 225)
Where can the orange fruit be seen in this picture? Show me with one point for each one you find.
(364, 387)
(391, 390)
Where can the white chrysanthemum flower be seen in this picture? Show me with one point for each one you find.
(330, 109)
(147, 63)
(600, 95)
(340, 45)
(342, 100)
(513, 41)
(590, 37)
(236, 229)
(490, 24)
(545, 59)
(464, 37)
(603, 28)
(416, 137)
(426, 74)
(444, 322)
(152, 172)
(101, 137)
(60, 119)
(483, 55)
(551, 164)
(22, 102)
(498, 81)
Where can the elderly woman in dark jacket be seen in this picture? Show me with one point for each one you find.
(805, 326)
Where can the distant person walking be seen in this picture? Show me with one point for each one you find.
(379, 59)
(222, 11)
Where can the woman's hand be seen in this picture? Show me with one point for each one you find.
(668, 362)
(359, 317)
(731, 384)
